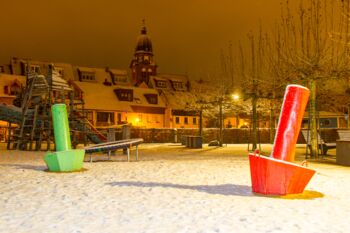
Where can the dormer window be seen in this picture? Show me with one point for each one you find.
(161, 83)
(87, 76)
(118, 76)
(33, 69)
(177, 85)
(152, 98)
(124, 94)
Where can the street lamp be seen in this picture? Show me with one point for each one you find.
(235, 97)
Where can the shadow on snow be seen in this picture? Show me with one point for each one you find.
(223, 189)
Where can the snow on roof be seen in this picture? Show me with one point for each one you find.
(100, 73)
(100, 97)
(173, 77)
(118, 72)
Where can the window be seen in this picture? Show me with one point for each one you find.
(177, 85)
(124, 94)
(33, 69)
(121, 79)
(194, 120)
(2, 69)
(177, 120)
(105, 118)
(186, 120)
(161, 83)
(328, 123)
(152, 98)
(87, 76)
(6, 90)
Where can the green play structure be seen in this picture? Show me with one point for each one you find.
(64, 159)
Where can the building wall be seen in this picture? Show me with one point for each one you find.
(145, 120)
(181, 122)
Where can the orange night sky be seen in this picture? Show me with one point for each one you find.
(187, 35)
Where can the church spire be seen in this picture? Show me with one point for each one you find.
(143, 65)
(143, 27)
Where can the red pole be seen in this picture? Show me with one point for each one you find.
(293, 107)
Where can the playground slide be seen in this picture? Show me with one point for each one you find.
(13, 114)
(92, 133)
(10, 113)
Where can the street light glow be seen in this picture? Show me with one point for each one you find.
(235, 97)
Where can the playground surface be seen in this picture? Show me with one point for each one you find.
(170, 189)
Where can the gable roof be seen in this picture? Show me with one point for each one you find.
(100, 97)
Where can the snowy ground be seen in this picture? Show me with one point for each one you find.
(171, 189)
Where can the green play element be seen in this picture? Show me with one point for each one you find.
(61, 127)
(64, 159)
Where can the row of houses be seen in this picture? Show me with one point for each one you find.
(139, 96)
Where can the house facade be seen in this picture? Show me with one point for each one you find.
(140, 97)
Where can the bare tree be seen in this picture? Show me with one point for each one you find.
(308, 51)
(257, 82)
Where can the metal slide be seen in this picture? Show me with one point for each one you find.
(13, 114)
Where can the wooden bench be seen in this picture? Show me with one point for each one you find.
(322, 145)
(112, 146)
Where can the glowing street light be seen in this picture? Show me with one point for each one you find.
(235, 96)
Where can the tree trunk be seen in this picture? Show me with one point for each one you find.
(255, 118)
(313, 120)
(272, 122)
(201, 122)
(220, 124)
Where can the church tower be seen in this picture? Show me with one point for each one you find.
(142, 65)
